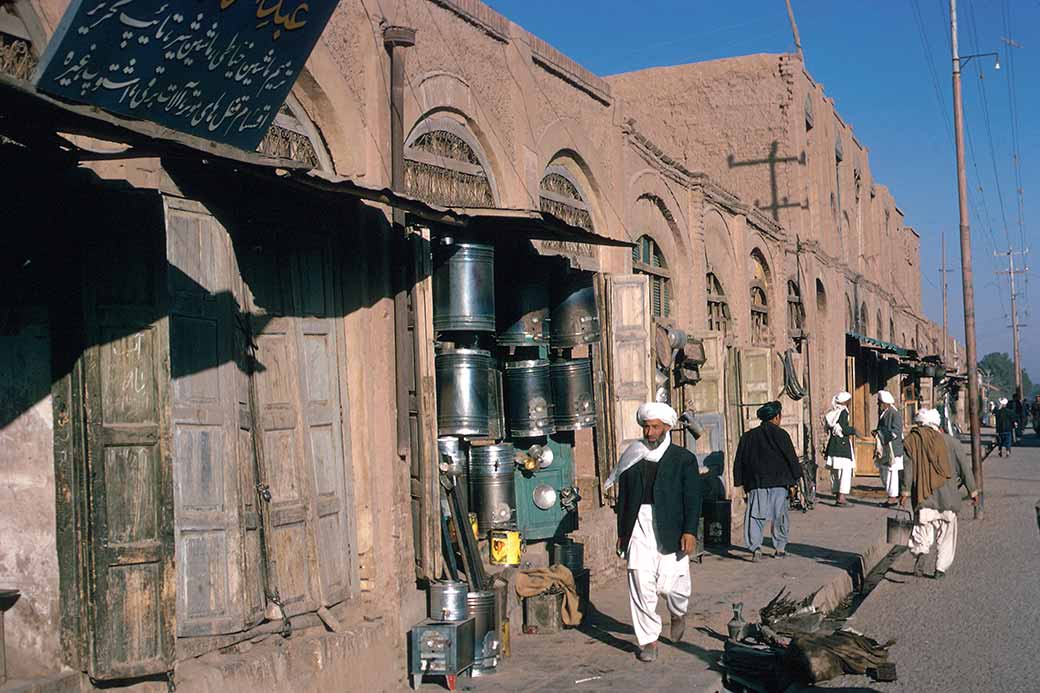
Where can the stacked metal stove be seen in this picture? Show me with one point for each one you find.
(510, 395)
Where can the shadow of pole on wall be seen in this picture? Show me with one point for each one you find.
(772, 161)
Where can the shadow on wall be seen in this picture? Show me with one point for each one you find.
(772, 160)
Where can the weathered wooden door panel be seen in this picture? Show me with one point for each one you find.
(126, 375)
(210, 594)
(628, 331)
(755, 382)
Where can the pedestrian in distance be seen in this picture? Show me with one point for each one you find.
(1019, 410)
(1005, 427)
(658, 508)
(839, 452)
(766, 467)
(933, 472)
(889, 445)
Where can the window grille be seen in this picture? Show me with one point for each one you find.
(647, 259)
(718, 309)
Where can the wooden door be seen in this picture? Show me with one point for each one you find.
(210, 594)
(130, 581)
(756, 370)
(628, 337)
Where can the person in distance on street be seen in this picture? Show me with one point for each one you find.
(839, 452)
(658, 508)
(766, 466)
(1005, 426)
(889, 436)
(933, 471)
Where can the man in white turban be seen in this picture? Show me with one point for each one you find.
(889, 445)
(840, 451)
(658, 508)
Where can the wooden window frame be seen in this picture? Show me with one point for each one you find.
(795, 309)
(759, 314)
(718, 308)
(659, 274)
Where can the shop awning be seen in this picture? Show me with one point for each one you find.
(44, 124)
(880, 345)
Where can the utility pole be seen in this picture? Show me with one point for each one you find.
(946, 320)
(794, 30)
(1014, 313)
(966, 276)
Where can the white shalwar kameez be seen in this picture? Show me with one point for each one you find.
(934, 527)
(651, 573)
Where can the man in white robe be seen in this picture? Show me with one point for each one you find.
(659, 506)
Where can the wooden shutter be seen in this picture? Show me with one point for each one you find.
(756, 382)
(210, 591)
(126, 376)
(628, 337)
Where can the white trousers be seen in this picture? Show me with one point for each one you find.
(651, 573)
(934, 527)
(841, 480)
(890, 476)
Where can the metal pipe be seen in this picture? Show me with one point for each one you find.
(966, 274)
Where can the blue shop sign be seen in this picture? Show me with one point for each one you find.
(216, 69)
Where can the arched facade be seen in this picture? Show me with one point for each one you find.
(445, 164)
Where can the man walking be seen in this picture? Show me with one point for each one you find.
(890, 439)
(1005, 427)
(766, 466)
(658, 508)
(933, 471)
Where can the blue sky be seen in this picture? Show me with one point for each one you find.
(873, 59)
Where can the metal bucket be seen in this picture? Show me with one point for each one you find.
(574, 320)
(505, 547)
(457, 465)
(492, 489)
(464, 287)
(529, 403)
(463, 397)
(523, 315)
(446, 601)
(481, 607)
(899, 528)
(573, 399)
(569, 553)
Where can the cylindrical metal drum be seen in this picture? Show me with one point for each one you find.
(569, 553)
(575, 320)
(451, 448)
(492, 490)
(446, 601)
(481, 607)
(464, 287)
(496, 410)
(529, 403)
(523, 315)
(462, 392)
(573, 399)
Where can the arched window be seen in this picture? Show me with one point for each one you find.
(19, 55)
(850, 316)
(558, 194)
(760, 280)
(718, 308)
(795, 310)
(443, 165)
(647, 259)
(293, 135)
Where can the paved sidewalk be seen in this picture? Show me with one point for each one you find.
(830, 547)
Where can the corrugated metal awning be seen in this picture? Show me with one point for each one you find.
(880, 345)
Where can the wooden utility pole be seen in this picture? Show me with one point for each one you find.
(967, 282)
(946, 320)
(794, 30)
(1014, 313)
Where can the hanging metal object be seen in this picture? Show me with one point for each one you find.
(528, 396)
(463, 392)
(544, 496)
(575, 404)
(492, 488)
(463, 286)
(523, 315)
(575, 319)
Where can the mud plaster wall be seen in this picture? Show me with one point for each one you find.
(28, 552)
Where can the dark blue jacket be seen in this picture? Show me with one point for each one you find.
(677, 498)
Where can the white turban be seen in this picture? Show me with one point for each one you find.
(1003, 401)
(837, 407)
(842, 397)
(928, 417)
(886, 397)
(657, 411)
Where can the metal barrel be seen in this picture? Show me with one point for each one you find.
(523, 315)
(481, 607)
(446, 601)
(464, 287)
(529, 403)
(451, 447)
(463, 397)
(492, 490)
(496, 410)
(569, 553)
(573, 399)
(574, 319)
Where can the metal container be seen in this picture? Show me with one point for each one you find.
(574, 319)
(528, 395)
(523, 315)
(455, 463)
(463, 397)
(440, 648)
(569, 553)
(543, 613)
(492, 489)
(573, 399)
(717, 517)
(446, 600)
(898, 528)
(463, 287)
(505, 546)
(480, 606)
(496, 409)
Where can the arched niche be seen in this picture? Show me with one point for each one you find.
(445, 164)
(561, 192)
(293, 135)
